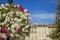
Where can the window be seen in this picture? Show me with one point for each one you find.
(34, 30)
(31, 30)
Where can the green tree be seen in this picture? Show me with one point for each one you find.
(56, 33)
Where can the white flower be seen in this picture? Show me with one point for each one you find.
(26, 14)
(12, 12)
(0, 8)
(18, 5)
(13, 31)
(29, 18)
(12, 22)
(25, 17)
(25, 10)
(22, 16)
(10, 15)
(21, 24)
(23, 29)
(14, 5)
(15, 18)
(17, 13)
(7, 25)
(26, 30)
(16, 35)
(2, 5)
(3, 23)
(25, 21)
(11, 34)
(14, 25)
(12, 19)
(7, 4)
(20, 20)
(5, 8)
(4, 15)
(7, 18)
(21, 13)
(27, 26)
(4, 36)
(8, 28)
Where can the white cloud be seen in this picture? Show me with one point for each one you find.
(43, 16)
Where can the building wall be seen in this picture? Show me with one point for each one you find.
(33, 34)
(40, 32)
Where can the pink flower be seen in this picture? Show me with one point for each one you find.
(0, 28)
(21, 8)
(0, 38)
(29, 27)
(9, 23)
(19, 29)
(26, 10)
(4, 30)
(7, 33)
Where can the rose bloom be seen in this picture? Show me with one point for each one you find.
(21, 8)
(19, 29)
(4, 30)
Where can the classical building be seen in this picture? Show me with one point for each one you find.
(40, 32)
(33, 34)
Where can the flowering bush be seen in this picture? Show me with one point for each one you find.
(14, 21)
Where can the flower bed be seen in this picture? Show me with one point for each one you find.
(14, 21)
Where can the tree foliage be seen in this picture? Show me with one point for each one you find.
(56, 33)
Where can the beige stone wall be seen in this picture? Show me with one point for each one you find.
(40, 32)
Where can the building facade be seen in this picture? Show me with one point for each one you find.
(40, 32)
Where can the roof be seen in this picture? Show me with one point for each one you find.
(43, 25)
(52, 26)
(38, 25)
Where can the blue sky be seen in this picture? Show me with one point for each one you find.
(41, 11)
